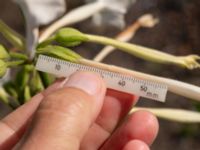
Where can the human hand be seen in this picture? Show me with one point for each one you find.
(78, 113)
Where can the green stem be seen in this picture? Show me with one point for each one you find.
(147, 53)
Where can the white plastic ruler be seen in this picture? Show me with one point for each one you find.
(128, 84)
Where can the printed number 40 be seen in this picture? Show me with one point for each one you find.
(122, 83)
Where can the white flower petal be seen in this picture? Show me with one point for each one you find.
(113, 13)
(41, 12)
(109, 17)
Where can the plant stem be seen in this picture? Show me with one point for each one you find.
(147, 53)
(177, 87)
(177, 115)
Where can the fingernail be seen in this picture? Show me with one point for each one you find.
(88, 82)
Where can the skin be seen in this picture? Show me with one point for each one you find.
(78, 113)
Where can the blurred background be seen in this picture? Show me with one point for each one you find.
(178, 32)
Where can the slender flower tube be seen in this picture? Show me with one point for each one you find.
(178, 115)
(174, 86)
(177, 87)
(69, 36)
(149, 54)
(76, 15)
(146, 21)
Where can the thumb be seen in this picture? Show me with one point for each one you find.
(65, 115)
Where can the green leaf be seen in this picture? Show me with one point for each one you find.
(70, 37)
(59, 52)
(3, 68)
(3, 53)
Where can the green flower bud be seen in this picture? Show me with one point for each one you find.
(3, 68)
(70, 37)
(3, 53)
(23, 76)
(4, 96)
(59, 52)
(13, 37)
(11, 89)
(36, 84)
(27, 93)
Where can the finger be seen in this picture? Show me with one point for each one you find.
(13, 126)
(140, 125)
(120, 103)
(64, 116)
(122, 95)
(115, 107)
(136, 145)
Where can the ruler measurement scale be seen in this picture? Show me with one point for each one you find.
(125, 83)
